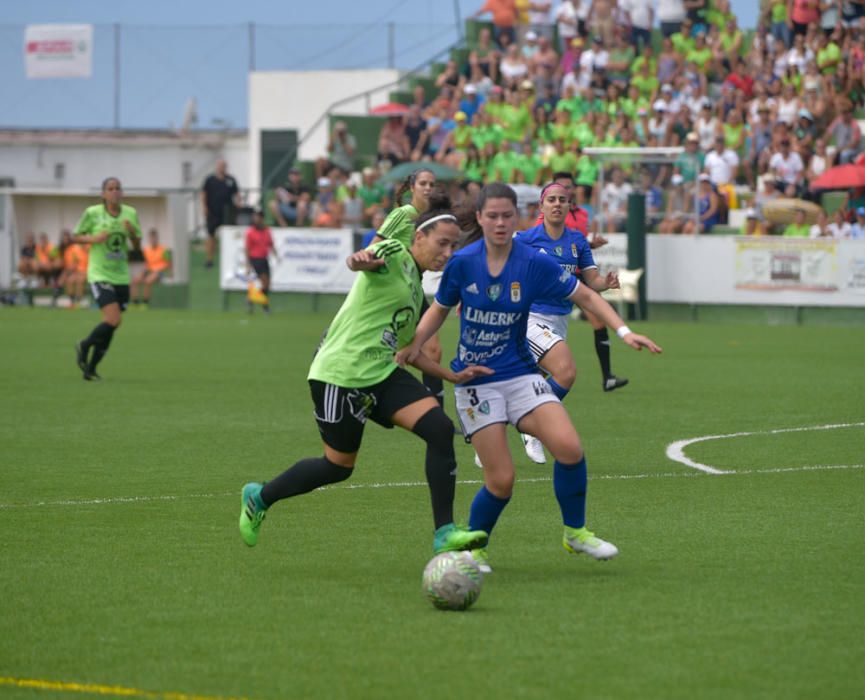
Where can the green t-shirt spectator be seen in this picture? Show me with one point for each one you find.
(544, 134)
(796, 231)
(587, 170)
(690, 166)
(583, 134)
(622, 54)
(718, 18)
(637, 65)
(529, 166)
(374, 194)
(488, 133)
(828, 54)
(563, 162)
(682, 44)
(647, 85)
(565, 132)
(700, 57)
(515, 122)
(727, 40)
(504, 163)
(779, 12)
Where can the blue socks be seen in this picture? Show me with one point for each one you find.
(570, 482)
(557, 388)
(485, 511)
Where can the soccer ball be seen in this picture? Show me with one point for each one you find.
(452, 581)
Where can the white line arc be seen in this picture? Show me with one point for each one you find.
(676, 450)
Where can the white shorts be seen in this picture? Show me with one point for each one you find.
(544, 331)
(506, 401)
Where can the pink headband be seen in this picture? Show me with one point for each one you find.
(549, 187)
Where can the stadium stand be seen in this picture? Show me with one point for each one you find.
(709, 79)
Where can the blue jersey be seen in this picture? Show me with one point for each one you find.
(495, 310)
(571, 251)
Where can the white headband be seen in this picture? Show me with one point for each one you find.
(440, 217)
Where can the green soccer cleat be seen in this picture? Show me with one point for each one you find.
(450, 538)
(252, 512)
(482, 560)
(581, 541)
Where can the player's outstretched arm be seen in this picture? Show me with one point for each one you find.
(430, 323)
(429, 366)
(590, 300)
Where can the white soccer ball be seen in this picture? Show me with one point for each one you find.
(452, 581)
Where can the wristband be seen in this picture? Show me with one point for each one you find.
(623, 331)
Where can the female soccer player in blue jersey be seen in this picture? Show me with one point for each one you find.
(496, 280)
(354, 378)
(548, 318)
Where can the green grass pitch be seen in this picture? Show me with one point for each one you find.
(122, 566)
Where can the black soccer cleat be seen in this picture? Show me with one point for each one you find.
(613, 382)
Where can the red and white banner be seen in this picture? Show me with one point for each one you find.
(58, 50)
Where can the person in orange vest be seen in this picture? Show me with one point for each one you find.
(157, 261)
(49, 262)
(76, 280)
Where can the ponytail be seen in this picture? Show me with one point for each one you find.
(407, 184)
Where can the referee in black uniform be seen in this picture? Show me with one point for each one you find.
(220, 198)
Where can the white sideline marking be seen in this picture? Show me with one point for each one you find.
(676, 450)
(415, 484)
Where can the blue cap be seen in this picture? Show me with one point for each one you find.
(860, 211)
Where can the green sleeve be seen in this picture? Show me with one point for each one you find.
(399, 225)
(85, 223)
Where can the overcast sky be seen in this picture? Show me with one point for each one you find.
(173, 50)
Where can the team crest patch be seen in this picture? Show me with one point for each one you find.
(484, 408)
(494, 291)
(574, 249)
(515, 292)
(558, 250)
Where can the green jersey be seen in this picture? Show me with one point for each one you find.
(108, 260)
(378, 317)
(399, 225)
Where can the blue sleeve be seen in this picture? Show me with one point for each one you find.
(448, 293)
(549, 280)
(585, 259)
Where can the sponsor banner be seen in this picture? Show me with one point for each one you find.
(797, 264)
(310, 260)
(58, 50)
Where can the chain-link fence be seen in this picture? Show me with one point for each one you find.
(145, 76)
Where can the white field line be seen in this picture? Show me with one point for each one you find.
(417, 484)
(676, 450)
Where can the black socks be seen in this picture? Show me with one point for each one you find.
(305, 476)
(99, 339)
(437, 430)
(602, 348)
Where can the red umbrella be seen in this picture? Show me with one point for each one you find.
(841, 177)
(389, 109)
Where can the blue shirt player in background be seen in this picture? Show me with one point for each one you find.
(497, 279)
(548, 319)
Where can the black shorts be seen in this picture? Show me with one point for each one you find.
(213, 223)
(261, 266)
(341, 413)
(106, 293)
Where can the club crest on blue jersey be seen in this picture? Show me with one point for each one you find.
(558, 250)
(494, 291)
(574, 251)
(515, 292)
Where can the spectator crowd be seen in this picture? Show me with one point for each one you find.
(759, 115)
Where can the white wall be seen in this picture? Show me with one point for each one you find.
(296, 99)
(768, 270)
(141, 162)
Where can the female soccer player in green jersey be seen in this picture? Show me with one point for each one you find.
(109, 228)
(354, 378)
(400, 225)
